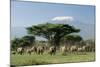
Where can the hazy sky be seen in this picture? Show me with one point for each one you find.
(25, 14)
(30, 13)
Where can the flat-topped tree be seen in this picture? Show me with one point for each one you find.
(52, 32)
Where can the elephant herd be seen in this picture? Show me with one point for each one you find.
(52, 50)
(73, 49)
(37, 50)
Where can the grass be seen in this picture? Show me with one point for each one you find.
(35, 59)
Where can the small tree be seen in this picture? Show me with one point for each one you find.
(15, 43)
(22, 42)
(27, 41)
(72, 39)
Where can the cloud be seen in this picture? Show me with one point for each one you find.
(63, 19)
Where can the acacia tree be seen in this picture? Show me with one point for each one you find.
(22, 42)
(72, 39)
(52, 32)
(29, 39)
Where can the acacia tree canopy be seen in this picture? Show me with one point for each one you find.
(52, 32)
